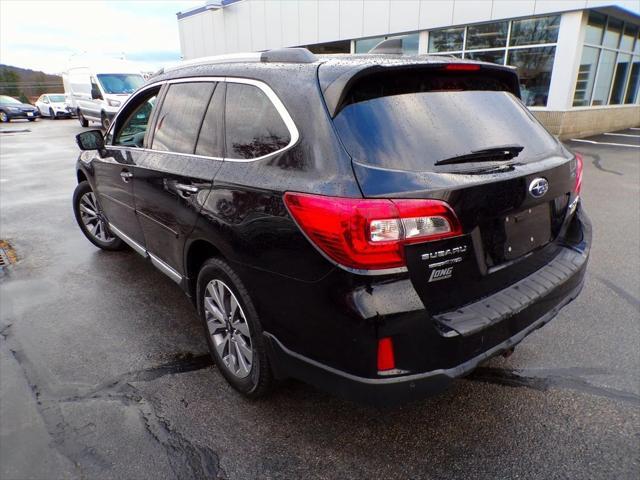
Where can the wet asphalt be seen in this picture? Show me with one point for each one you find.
(104, 372)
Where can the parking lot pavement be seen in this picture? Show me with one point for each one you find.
(105, 372)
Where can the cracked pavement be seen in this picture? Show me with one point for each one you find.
(104, 371)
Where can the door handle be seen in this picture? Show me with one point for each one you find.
(126, 176)
(187, 189)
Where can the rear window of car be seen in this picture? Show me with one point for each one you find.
(410, 124)
(181, 115)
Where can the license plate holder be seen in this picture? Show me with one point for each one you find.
(527, 230)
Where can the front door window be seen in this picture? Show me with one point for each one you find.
(132, 131)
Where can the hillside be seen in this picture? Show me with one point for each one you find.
(30, 84)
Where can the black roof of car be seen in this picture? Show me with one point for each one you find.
(334, 72)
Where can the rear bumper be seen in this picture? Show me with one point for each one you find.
(461, 343)
(396, 390)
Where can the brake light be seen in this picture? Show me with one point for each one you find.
(462, 66)
(386, 357)
(370, 234)
(579, 168)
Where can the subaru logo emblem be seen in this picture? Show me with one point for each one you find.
(538, 187)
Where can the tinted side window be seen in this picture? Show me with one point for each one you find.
(253, 125)
(131, 131)
(180, 116)
(211, 138)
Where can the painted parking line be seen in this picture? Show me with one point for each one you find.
(622, 135)
(634, 128)
(604, 143)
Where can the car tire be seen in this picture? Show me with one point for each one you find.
(32, 119)
(4, 118)
(244, 322)
(83, 121)
(52, 115)
(95, 226)
(104, 121)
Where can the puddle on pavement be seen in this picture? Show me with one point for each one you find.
(7, 255)
(13, 132)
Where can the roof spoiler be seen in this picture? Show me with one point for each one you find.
(336, 89)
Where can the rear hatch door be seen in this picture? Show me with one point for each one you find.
(426, 134)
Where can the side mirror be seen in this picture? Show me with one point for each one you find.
(90, 140)
(95, 94)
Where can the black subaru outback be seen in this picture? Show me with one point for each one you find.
(373, 225)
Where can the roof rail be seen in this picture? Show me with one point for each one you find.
(278, 55)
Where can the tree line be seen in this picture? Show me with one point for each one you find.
(27, 85)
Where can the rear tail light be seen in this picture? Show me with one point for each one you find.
(386, 356)
(579, 168)
(370, 234)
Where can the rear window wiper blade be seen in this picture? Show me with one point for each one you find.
(502, 152)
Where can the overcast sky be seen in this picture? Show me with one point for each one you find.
(42, 35)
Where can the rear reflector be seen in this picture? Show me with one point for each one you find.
(579, 168)
(370, 234)
(386, 358)
(462, 66)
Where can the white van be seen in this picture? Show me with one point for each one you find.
(96, 93)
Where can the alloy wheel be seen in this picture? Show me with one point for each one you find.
(4, 117)
(229, 329)
(92, 218)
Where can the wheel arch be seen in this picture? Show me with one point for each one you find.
(82, 177)
(197, 252)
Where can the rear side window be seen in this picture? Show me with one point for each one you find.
(181, 115)
(411, 127)
(254, 127)
(211, 138)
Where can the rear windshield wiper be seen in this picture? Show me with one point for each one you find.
(502, 152)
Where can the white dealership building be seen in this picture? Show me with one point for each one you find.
(578, 60)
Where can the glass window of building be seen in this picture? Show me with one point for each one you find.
(620, 78)
(608, 74)
(603, 77)
(365, 44)
(534, 69)
(634, 82)
(612, 33)
(487, 35)
(630, 34)
(595, 28)
(533, 31)
(492, 56)
(409, 43)
(446, 40)
(530, 48)
(586, 76)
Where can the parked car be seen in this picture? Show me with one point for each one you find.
(11, 108)
(96, 92)
(374, 226)
(53, 105)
